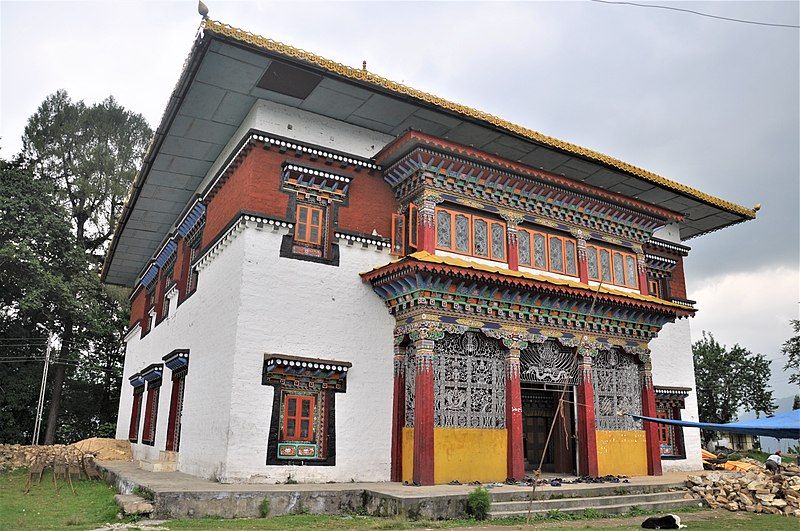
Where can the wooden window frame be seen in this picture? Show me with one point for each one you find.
(398, 231)
(306, 237)
(298, 417)
(471, 218)
(628, 283)
(151, 414)
(532, 233)
(654, 287)
(136, 414)
(503, 240)
(413, 226)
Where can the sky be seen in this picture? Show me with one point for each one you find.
(709, 103)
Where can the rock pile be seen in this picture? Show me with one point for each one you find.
(18, 455)
(755, 491)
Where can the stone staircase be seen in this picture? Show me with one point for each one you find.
(166, 462)
(615, 498)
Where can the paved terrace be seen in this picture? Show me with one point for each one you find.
(179, 495)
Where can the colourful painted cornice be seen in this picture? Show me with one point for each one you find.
(447, 264)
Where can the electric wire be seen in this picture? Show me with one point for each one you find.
(693, 12)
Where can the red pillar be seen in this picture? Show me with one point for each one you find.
(398, 415)
(423, 414)
(427, 227)
(644, 289)
(515, 456)
(513, 249)
(587, 436)
(650, 428)
(583, 264)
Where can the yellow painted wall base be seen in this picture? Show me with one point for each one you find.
(408, 455)
(621, 453)
(463, 454)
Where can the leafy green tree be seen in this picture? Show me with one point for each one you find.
(791, 349)
(729, 380)
(796, 402)
(80, 161)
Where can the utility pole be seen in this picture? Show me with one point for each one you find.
(40, 406)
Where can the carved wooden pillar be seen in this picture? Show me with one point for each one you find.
(644, 289)
(424, 338)
(587, 435)
(427, 225)
(398, 413)
(583, 264)
(515, 455)
(650, 428)
(513, 248)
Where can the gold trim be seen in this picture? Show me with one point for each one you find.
(368, 77)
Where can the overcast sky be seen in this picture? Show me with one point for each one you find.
(709, 103)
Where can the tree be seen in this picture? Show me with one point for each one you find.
(791, 349)
(87, 156)
(729, 380)
(796, 403)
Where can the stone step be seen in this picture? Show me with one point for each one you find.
(158, 466)
(598, 501)
(132, 504)
(611, 505)
(584, 491)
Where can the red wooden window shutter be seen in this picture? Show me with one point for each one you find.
(298, 418)
(413, 229)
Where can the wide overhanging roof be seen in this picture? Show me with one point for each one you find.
(229, 69)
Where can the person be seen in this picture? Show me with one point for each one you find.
(773, 463)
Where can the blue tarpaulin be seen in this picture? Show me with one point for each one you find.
(780, 426)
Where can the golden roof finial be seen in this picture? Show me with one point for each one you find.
(364, 66)
(202, 9)
(757, 207)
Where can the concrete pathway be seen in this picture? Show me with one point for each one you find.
(159, 482)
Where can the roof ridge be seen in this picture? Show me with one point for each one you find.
(367, 76)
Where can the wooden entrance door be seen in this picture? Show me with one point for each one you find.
(538, 409)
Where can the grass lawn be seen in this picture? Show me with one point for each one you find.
(94, 506)
(704, 520)
(42, 508)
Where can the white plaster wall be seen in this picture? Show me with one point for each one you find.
(303, 308)
(205, 324)
(303, 126)
(673, 365)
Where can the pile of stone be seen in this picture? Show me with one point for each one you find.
(755, 491)
(18, 455)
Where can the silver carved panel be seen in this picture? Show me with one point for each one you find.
(469, 382)
(556, 255)
(572, 268)
(462, 233)
(480, 237)
(524, 243)
(410, 361)
(549, 362)
(540, 252)
(498, 241)
(617, 391)
(443, 236)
